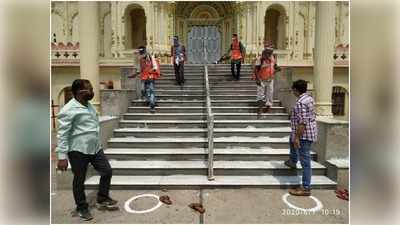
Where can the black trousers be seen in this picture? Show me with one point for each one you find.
(79, 164)
(179, 73)
(238, 65)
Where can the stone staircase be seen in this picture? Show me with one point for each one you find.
(169, 148)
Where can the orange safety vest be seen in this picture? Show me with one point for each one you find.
(267, 70)
(236, 54)
(150, 69)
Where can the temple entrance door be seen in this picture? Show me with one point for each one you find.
(204, 44)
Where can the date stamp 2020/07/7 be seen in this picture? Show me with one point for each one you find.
(323, 212)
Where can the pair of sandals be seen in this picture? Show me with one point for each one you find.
(342, 194)
(196, 206)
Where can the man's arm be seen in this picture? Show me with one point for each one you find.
(64, 130)
(64, 127)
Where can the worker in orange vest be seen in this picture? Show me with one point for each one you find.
(238, 52)
(149, 69)
(264, 73)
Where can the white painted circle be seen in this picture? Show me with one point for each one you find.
(129, 210)
(318, 206)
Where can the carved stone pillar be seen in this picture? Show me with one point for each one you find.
(323, 57)
(89, 49)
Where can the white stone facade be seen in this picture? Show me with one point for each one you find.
(292, 26)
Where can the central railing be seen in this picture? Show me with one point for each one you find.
(210, 126)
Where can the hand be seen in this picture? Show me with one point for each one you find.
(62, 164)
(296, 143)
(258, 82)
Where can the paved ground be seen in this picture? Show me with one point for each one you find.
(246, 205)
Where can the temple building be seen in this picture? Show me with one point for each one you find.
(93, 40)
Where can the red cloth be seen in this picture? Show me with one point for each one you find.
(150, 68)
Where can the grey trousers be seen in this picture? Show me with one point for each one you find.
(265, 92)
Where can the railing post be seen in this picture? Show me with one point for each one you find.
(210, 126)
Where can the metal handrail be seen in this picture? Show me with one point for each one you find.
(210, 126)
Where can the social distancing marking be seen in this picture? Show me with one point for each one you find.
(318, 206)
(130, 210)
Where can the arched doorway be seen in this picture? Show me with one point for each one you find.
(135, 27)
(274, 24)
(205, 28)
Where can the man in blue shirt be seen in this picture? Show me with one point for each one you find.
(79, 142)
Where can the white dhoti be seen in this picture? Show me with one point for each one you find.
(265, 92)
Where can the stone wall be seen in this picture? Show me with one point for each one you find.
(333, 139)
(115, 102)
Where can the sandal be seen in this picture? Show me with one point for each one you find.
(343, 197)
(198, 207)
(165, 199)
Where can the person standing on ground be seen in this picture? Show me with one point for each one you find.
(79, 142)
(238, 52)
(304, 133)
(264, 73)
(178, 58)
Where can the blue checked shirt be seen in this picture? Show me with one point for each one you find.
(303, 113)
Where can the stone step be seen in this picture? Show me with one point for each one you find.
(177, 87)
(203, 123)
(181, 103)
(236, 103)
(180, 97)
(232, 91)
(164, 116)
(189, 73)
(250, 123)
(198, 142)
(202, 116)
(233, 96)
(179, 154)
(201, 132)
(237, 168)
(196, 181)
(173, 82)
(203, 109)
(176, 91)
(187, 78)
(163, 123)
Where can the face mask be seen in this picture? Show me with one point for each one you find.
(90, 96)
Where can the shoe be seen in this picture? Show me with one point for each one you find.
(198, 207)
(85, 214)
(165, 199)
(290, 164)
(300, 192)
(267, 109)
(108, 204)
(152, 110)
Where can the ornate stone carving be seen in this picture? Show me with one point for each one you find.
(323, 109)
